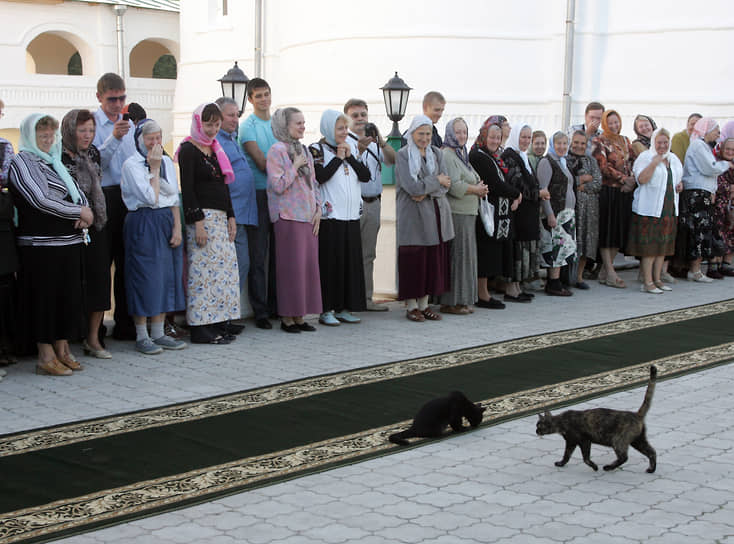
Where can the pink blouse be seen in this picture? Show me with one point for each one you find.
(290, 195)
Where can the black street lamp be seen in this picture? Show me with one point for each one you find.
(234, 85)
(395, 92)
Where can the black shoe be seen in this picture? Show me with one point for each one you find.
(263, 323)
(290, 328)
(522, 297)
(231, 328)
(558, 292)
(491, 304)
(123, 334)
(581, 285)
(305, 327)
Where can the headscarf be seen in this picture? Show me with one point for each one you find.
(88, 174)
(450, 141)
(328, 125)
(481, 142)
(53, 157)
(644, 140)
(552, 149)
(415, 160)
(513, 142)
(702, 127)
(727, 131)
(279, 124)
(198, 136)
(148, 126)
(609, 135)
(652, 142)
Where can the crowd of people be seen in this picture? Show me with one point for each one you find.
(295, 226)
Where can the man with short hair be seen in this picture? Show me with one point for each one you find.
(681, 140)
(242, 189)
(433, 105)
(373, 151)
(256, 137)
(591, 125)
(114, 140)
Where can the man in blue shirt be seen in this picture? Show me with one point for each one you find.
(256, 136)
(114, 140)
(242, 189)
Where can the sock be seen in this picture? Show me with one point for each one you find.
(423, 303)
(141, 332)
(412, 304)
(156, 330)
(555, 284)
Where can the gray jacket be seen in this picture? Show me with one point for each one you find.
(416, 221)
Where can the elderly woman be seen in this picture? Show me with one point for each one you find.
(724, 205)
(464, 193)
(82, 160)
(696, 220)
(494, 252)
(538, 144)
(655, 209)
(8, 256)
(526, 225)
(423, 222)
(587, 178)
(339, 173)
(213, 292)
(613, 153)
(153, 256)
(52, 216)
(643, 126)
(558, 247)
(294, 202)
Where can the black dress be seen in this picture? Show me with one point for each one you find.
(495, 254)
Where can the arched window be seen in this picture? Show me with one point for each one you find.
(52, 53)
(150, 58)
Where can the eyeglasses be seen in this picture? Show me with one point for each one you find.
(121, 98)
(358, 114)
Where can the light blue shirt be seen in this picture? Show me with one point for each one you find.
(242, 189)
(113, 152)
(136, 189)
(700, 169)
(254, 129)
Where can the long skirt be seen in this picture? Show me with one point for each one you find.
(695, 239)
(153, 270)
(557, 244)
(213, 286)
(340, 265)
(655, 236)
(97, 281)
(463, 256)
(495, 258)
(615, 212)
(297, 278)
(587, 224)
(50, 296)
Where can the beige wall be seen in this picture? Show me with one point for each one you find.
(50, 54)
(144, 56)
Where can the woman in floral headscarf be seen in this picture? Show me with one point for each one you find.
(613, 153)
(724, 205)
(213, 294)
(643, 126)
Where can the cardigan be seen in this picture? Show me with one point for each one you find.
(649, 197)
(560, 184)
(202, 184)
(290, 195)
(701, 168)
(462, 176)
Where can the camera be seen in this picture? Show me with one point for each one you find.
(370, 130)
(125, 116)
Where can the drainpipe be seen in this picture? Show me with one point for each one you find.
(119, 12)
(568, 64)
(259, 38)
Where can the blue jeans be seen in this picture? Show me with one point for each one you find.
(243, 254)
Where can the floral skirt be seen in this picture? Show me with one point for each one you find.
(695, 238)
(557, 245)
(213, 287)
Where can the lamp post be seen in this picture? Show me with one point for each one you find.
(234, 85)
(395, 93)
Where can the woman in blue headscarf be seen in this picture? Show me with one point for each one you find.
(339, 173)
(557, 240)
(152, 233)
(53, 218)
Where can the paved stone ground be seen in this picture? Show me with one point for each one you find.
(498, 484)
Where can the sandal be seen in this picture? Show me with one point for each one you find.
(69, 361)
(431, 315)
(415, 315)
(456, 310)
(617, 282)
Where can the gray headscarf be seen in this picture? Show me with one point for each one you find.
(449, 140)
(279, 124)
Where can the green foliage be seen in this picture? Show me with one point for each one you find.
(165, 67)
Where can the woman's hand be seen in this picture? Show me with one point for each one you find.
(299, 161)
(175, 240)
(232, 228)
(200, 235)
(155, 156)
(713, 198)
(316, 221)
(343, 151)
(544, 194)
(552, 221)
(444, 180)
(628, 184)
(86, 217)
(418, 198)
(731, 190)
(585, 178)
(516, 203)
(480, 189)
(679, 187)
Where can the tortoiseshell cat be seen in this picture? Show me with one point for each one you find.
(437, 414)
(614, 428)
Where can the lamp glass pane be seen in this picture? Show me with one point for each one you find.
(403, 102)
(238, 94)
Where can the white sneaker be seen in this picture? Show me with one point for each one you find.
(699, 276)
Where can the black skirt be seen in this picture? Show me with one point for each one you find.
(97, 282)
(495, 258)
(340, 265)
(50, 296)
(526, 222)
(615, 214)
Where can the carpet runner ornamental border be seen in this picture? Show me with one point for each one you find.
(62, 518)
(76, 432)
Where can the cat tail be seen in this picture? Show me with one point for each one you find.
(642, 412)
(400, 438)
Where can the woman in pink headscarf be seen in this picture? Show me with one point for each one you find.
(724, 206)
(695, 240)
(213, 295)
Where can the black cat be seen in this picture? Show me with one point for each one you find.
(437, 414)
(613, 428)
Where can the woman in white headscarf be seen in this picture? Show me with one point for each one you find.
(423, 221)
(339, 173)
(654, 209)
